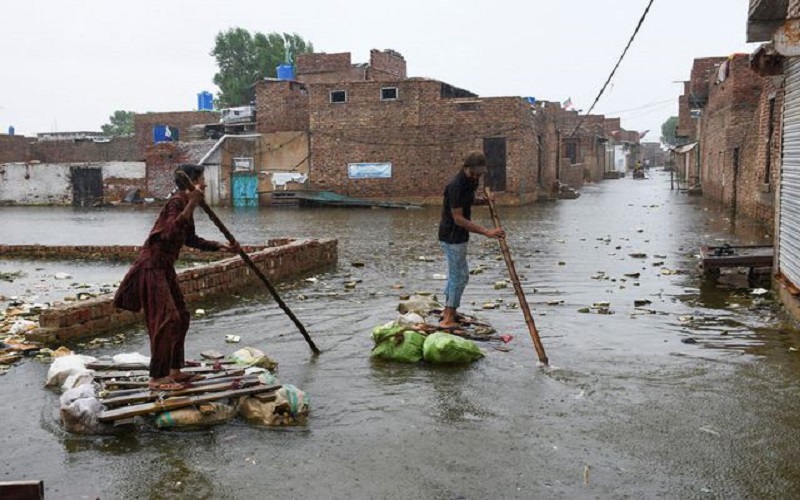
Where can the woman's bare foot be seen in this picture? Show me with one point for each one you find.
(164, 384)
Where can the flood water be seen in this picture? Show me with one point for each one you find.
(626, 409)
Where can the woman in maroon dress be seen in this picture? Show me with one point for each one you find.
(152, 285)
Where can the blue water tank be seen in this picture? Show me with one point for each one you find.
(285, 72)
(11, 130)
(205, 101)
(164, 133)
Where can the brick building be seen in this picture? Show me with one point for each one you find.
(417, 128)
(145, 123)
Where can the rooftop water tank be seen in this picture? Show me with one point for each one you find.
(285, 72)
(11, 130)
(205, 101)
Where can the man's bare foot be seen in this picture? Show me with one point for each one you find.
(448, 324)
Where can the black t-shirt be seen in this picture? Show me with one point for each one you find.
(458, 193)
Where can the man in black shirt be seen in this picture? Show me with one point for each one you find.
(454, 229)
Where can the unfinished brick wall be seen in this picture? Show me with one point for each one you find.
(546, 125)
(328, 68)
(281, 106)
(143, 124)
(421, 134)
(386, 65)
(686, 126)
(725, 128)
(118, 149)
(203, 283)
(701, 79)
(161, 160)
(14, 148)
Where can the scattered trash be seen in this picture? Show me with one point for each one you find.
(425, 258)
(638, 255)
(641, 302)
(200, 312)
(62, 276)
(357, 264)
(584, 310)
(232, 339)
(759, 291)
(440, 276)
(489, 305)
(499, 285)
(689, 340)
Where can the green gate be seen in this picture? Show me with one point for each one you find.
(245, 190)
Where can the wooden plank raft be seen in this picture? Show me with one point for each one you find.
(99, 374)
(175, 403)
(714, 258)
(226, 376)
(150, 395)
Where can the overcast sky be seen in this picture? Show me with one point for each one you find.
(67, 65)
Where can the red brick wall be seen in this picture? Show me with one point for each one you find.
(161, 160)
(14, 148)
(421, 134)
(700, 81)
(757, 186)
(95, 316)
(726, 126)
(119, 149)
(386, 65)
(281, 106)
(144, 123)
(321, 62)
(686, 125)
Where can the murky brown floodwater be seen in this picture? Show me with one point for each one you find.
(626, 411)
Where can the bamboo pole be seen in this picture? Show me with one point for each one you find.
(523, 303)
(188, 184)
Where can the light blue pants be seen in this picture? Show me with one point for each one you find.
(457, 272)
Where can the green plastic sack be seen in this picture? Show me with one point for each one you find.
(403, 346)
(443, 347)
(379, 333)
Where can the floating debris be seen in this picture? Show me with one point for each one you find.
(499, 285)
(62, 276)
(641, 303)
(638, 255)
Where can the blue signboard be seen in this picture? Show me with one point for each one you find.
(369, 171)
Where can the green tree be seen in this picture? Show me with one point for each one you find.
(668, 132)
(243, 59)
(119, 124)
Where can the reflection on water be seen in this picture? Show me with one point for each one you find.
(689, 395)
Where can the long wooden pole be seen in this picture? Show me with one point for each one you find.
(523, 303)
(188, 184)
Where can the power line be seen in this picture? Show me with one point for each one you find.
(635, 32)
(643, 106)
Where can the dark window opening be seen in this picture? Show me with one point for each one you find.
(467, 106)
(388, 93)
(571, 150)
(770, 133)
(450, 92)
(338, 96)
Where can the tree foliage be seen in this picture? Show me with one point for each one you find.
(243, 59)
(120, 124)
(668, 132)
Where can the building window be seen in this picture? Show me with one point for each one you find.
(388, 93)
(338, 96)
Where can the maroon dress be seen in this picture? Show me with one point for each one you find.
(151, 284)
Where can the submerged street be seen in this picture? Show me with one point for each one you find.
(693, 395)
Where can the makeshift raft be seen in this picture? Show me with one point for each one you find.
(100, 396)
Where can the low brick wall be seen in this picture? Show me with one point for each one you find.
(112, 252)
(281, 262)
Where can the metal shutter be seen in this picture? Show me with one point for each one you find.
(789, 230)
